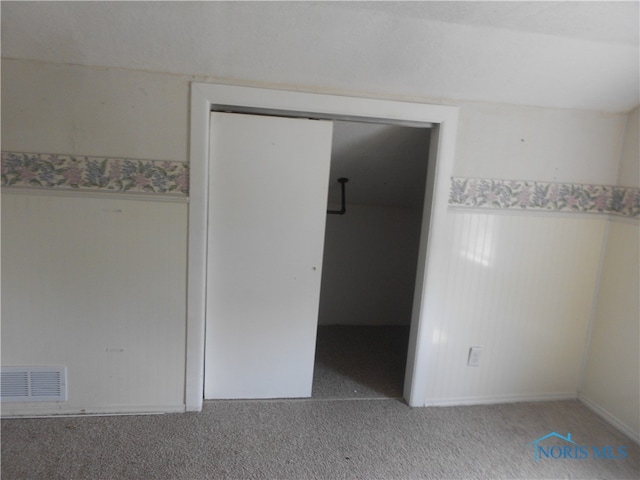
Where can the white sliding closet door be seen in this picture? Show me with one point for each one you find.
(267, 210)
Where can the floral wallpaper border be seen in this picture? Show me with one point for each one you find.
(558, 197)
(81, 173)
(84, 173)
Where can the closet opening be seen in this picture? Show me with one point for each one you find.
(208, 98)
(370, 259)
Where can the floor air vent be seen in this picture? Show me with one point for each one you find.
(33, 384)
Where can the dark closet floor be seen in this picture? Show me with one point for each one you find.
(360, 362)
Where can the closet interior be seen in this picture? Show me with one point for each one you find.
(370, 259)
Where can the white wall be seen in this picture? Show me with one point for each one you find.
(97, 285)
(505, 307)
(629, 170)
(546, 145)
(612, 373)
(72, 110)
(611, 383)
(369, 266)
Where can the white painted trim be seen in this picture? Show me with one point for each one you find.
(60, 410)
(530, 212)
(410, 392)
(549, 214)
(544, 397)
(610, 418)
(146, 197)
(622, 219)
(542, 213)
(205, 97)
(432, 241)
(197, 244)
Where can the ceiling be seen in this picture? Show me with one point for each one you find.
(609, 21)
(582, 55)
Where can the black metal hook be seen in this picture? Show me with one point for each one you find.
(343, 210)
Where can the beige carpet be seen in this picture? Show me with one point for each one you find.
(314, 439)
(360, 362)
(355, 426)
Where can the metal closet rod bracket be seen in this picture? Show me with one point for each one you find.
(343, 210)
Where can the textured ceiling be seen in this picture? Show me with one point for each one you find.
(607, 21)
(553, 54)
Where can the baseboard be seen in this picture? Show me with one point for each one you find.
(490, 400)
(39, 411)
(609, 417)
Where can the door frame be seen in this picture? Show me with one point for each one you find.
(240, 99)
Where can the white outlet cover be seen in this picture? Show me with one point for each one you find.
(474, 356)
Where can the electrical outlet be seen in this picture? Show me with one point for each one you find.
(474, 357)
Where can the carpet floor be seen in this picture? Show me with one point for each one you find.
(334, 435)
(314, 439)
(360, 362)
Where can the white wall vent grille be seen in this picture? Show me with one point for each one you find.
(33, 384)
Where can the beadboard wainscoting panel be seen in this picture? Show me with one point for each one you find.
(98, 286)
(612, 372)
(520, 287)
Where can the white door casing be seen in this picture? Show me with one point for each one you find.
(212, 97)
(268, 180)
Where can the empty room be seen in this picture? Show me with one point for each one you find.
(320, 240)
